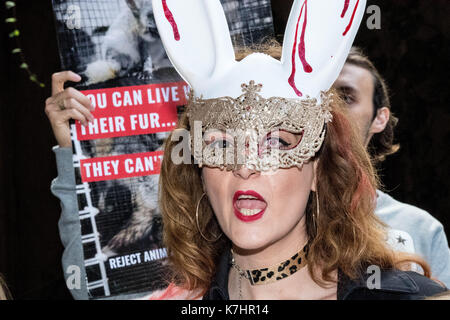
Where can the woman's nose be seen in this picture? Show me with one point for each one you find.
(245, 173)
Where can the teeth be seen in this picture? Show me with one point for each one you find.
(249, 212)
(246, 197)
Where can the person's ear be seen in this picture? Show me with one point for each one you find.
(379, 123)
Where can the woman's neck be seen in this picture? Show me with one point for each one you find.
(275, 252)
(298, 285)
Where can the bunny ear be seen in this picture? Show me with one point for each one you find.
(196, 37)
(317, 40)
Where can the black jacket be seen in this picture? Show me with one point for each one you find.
(394, 285)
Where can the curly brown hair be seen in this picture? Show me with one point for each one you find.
(347, 235)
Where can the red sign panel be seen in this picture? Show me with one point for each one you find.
(120, 167)
(136, 110)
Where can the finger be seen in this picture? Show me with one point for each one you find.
(50, 106)
(59, 78)
(81, 98)
(72, 93)
(74, 104)
(66, 115)
(61, 117)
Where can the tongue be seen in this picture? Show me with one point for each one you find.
(250, 204)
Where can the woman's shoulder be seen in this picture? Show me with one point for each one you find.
(389, 285)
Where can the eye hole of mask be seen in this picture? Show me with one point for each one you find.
(218, 139)
(280, 139)
(277, 139)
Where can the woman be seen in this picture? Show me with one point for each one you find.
(279, 201)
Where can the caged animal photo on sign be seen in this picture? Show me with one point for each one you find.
(105, 40)
(131, 46)
(129, 217)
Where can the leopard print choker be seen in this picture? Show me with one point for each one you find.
(274, 273)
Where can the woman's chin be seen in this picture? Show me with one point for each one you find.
(250, 243)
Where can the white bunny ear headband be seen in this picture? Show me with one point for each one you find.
(258, 94)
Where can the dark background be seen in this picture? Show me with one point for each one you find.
(411, 50)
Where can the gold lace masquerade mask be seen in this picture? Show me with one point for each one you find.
(261, 134)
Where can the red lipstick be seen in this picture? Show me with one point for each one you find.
(248, 200)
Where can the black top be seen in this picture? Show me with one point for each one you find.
(394, 285)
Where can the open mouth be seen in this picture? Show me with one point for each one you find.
(248, 205)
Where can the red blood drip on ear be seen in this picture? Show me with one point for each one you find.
(346, 4)
(301, 49)
(169, 17)
(351, 20)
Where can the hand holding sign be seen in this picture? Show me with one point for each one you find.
(66, 104)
